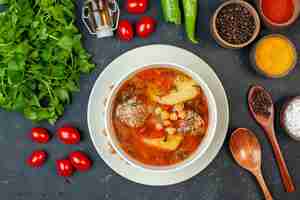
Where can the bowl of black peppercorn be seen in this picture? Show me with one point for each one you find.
(235, 24)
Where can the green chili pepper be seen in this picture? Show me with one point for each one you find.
(190, 8)
(171, 11)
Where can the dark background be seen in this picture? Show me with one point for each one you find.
(223, 179)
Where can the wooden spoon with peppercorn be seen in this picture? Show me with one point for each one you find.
(262, 109)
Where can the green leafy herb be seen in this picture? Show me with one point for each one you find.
(41, 57)
(3, 2)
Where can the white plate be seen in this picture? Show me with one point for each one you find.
(135, 59)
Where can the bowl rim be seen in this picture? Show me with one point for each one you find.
(215, 31)
(259, 70)
(201, 149)
(109, 76)
(280, 25)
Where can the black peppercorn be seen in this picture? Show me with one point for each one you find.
(235, 24)
(261, 103)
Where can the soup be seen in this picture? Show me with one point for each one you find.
(160, 116)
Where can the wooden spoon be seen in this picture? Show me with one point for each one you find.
(266, 121)
(246, 150)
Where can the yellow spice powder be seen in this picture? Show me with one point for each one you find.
(275, 55)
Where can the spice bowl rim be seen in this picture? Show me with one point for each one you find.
(201, 149)
(282, 117)
(269, 23)
(263, 73)
(215, 32)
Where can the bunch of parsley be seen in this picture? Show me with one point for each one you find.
(41, 57)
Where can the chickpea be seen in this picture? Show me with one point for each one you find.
(159, 126)
(179, 107)
(173, 116)
(170, 130)
(164, 115)
(167, 123)
(158, 110)
(182, 114)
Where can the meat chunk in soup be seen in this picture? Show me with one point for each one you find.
(132, 113)
(193, 124)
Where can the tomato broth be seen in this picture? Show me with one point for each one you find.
(160, 116)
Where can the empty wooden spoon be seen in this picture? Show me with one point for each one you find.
(262, 109)
(246, 150)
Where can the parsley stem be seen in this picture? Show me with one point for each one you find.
(53, 37)
(46, 76)
(48, 88)
(5, 44)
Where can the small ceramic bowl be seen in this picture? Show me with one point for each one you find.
(207, 140)
(274, 25)
(253, 60)
(283, 118)
(217, 36)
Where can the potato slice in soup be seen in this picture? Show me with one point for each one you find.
(185, 90)
(153, 92)
(171, 144)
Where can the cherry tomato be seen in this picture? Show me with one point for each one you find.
(39, 135)
(64, 167)
(80, 161)
(145, 26)
(68, 135)
(136, 6)
(166, 107)
(125, 30)
(37, 158)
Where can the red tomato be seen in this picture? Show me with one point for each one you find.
(37, 158)
(145, 26)
(149, 74)
(136, 6)
(125, 30)
(166, 107)
(80, 161)
(68, 135)
(39, 135)
(64, 167)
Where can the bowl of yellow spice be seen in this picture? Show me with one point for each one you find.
(274, 56)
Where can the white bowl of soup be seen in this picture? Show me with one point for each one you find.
(161, 117)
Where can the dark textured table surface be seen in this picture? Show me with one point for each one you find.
(223, 179)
